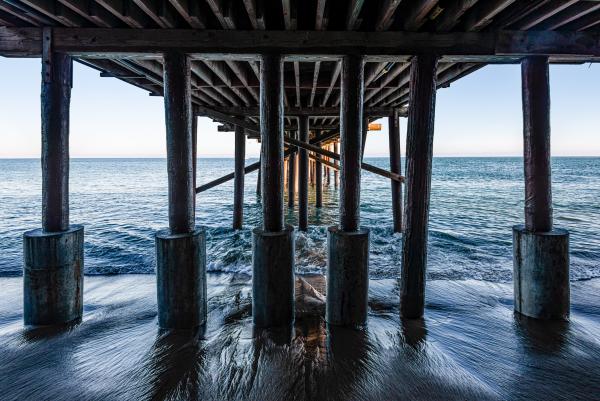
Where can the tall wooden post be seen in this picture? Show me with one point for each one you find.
(365, 132)
(292, 177)
(348, 244)
(419, 154)
(53, 256)
(238, 182)
(351, 134)
(303, 175)
(536, 136)
(327, 169)
(273, 243)
(259, 183)
(180, 250)
(271, 128)
(194, 151)
(336, 178)
(395, 167)
(541, 252)
(318, 182)
(178, 118)
(56, 101)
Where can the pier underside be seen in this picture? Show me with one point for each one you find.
(305, 79)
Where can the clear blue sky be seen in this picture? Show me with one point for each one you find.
(479, 115)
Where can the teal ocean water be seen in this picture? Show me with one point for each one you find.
(475, 202)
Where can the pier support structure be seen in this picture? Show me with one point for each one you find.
(53, 255)
(541, 252)
(318, 180)
(273, 244)
(238, 181)
(303, 175)
(395, 167)
(292, 177)
(180, 249)
(336, 179)
(419, 154)
(348, 244)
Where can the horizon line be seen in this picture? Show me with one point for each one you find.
(256, 157)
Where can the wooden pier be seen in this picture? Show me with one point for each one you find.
(305, 78)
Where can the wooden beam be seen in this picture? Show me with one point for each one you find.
(190, 12)
(158, 11)
(452, 14)
(103, 42)
(386, 14)
(543, 13)
(352, 21)
(416, 16)
(311, 112)
(314, 85)
(480, 15)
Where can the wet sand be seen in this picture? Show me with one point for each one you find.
(469, 346)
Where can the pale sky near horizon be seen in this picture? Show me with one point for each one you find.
(479, 115)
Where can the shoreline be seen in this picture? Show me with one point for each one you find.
(470, 345)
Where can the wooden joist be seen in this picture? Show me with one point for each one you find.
(103, 42)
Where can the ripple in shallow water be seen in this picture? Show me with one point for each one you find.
(469, 346)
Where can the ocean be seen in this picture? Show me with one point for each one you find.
(474, 204)
(469, 345)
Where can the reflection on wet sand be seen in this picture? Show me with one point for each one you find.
(470, 345)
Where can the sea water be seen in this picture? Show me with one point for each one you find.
(474, 204)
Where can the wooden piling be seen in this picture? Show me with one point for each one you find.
(419, 153)
(363, 142)
(180, 250)
(195, 151)
(336, 179)
(271, 134)
(318, 182)
(258, 183)
(348, 244)
(536, 135)
(351, 127)
(238, 181)
(178, 118)
(303, 175)
(292, 177)
(273, 244)
(57, 78)
(395, 167)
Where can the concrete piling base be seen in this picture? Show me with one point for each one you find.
(181, 279)
(347, 277)
(53, 276)
(273, 277)
(541, 273)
